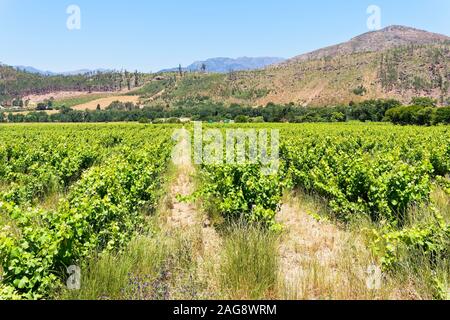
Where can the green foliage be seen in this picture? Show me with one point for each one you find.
(242, 192)
(100, 213)
(404, 115)
(371, 110)
(431, 240)
(419, 115)
(423, 102)
(360, 90)
(365, 171)
(442, 115)
(241, 119)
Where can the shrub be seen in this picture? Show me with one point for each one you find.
(360, 91)
(442, 115)
(241, 119)
(404, 115)
(423, 102)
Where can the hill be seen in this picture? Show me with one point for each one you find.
(396, 62)
(16, 84)
(375, 41)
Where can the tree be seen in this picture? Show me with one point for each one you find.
(136, 78)
(241, 119)
(423, 102)
(41, 106)
(337, 117)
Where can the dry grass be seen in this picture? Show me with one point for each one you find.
(249, 267)
(441, 200)
(105, 102)
(321, 260)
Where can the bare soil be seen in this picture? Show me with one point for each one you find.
(105, 102)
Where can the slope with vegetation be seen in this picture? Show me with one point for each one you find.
(396, 62)
(16, 85)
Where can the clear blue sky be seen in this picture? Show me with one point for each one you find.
(149, 35)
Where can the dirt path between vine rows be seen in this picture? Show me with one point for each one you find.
(317, 259)
(185, 218)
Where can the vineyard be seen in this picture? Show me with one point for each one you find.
(86, 194)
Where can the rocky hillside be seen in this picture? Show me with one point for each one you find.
(396, 62)
(387, 38)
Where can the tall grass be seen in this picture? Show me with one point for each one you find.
(131, 274)
(158, 267)
(249, 267)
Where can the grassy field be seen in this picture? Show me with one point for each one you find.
(354, 211)
(72, 102)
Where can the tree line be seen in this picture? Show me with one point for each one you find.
(422, 111)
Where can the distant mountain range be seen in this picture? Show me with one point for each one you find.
(224, 65)
(51, 73)
(214, 65)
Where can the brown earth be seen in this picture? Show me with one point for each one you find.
(105, 102)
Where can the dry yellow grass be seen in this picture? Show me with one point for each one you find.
(59, 95)
(105, 102)
(320, 260)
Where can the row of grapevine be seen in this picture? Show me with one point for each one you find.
(379, 171)
(36, 161)
(376, 171)
(100, 212)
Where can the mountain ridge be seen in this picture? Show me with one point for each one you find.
(225, 64)
(373, 41)
(34, 70)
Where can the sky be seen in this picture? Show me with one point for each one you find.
(150, 35)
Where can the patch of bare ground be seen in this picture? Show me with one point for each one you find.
(183, 219)
(62, 95)
(320, 260)
(105, 102)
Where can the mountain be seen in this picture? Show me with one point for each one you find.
(395, 62)
(224, 65)
(387, 38)
(34, 70)
(67, 73)
(84, 71)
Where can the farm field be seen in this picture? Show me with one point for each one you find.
(101, 212)
(105, 102)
